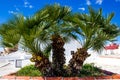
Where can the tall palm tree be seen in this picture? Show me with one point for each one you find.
(94, 31)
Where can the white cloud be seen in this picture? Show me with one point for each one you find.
(83, 9)
(27, 4)
(99, 2)
(12, 12)
(88, 2)
(16, 8)
(30, 6)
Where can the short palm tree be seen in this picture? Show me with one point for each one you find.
(34, 37)
(50, 28)
(94, 31)
(9, 36)
(28, 32)
(59, 30)
(37, 32)
(40, 48)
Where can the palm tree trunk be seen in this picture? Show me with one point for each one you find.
(76, 63)
(58, 58)
(43, 64)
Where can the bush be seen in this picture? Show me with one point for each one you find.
(29, 71)
(87, 70)
(90, 70)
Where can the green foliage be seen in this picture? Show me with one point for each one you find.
(29, 71)
(9, 34)
(90, 70)
(35, 33)
(87, 70)
(95, 29)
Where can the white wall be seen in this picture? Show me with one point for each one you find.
(71, 46)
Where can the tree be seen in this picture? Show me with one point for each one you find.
(9, 36)
(94, 31)
(36, 41)
(27, 32)
(59, 30)
(46, 26)
(53, 26)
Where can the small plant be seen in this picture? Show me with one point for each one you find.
(86, 70)
(29, 71)
(90, 70)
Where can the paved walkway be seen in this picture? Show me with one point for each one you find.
(4, 63)
(8, 62)
(11, 67)
(109, 63)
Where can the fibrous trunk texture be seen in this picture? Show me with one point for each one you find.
(58, 58)
(42, 63)
(77, 60)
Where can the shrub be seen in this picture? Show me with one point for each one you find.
(90, 70)
(87, 70)
(29, 71)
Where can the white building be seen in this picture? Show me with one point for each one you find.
(112, 48)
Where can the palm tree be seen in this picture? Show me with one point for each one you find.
(40, 48)
(53, 26)
(94, 31)
(45, 26)
(9, 36)
(29, 33)
(60, 30)
(34, 37)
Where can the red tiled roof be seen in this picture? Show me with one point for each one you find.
(112, 46)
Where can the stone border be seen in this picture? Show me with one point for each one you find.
(115, 76)
(109, 75)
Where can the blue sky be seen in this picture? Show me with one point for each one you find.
(29, 7)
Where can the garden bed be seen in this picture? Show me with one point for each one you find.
(88, 72)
